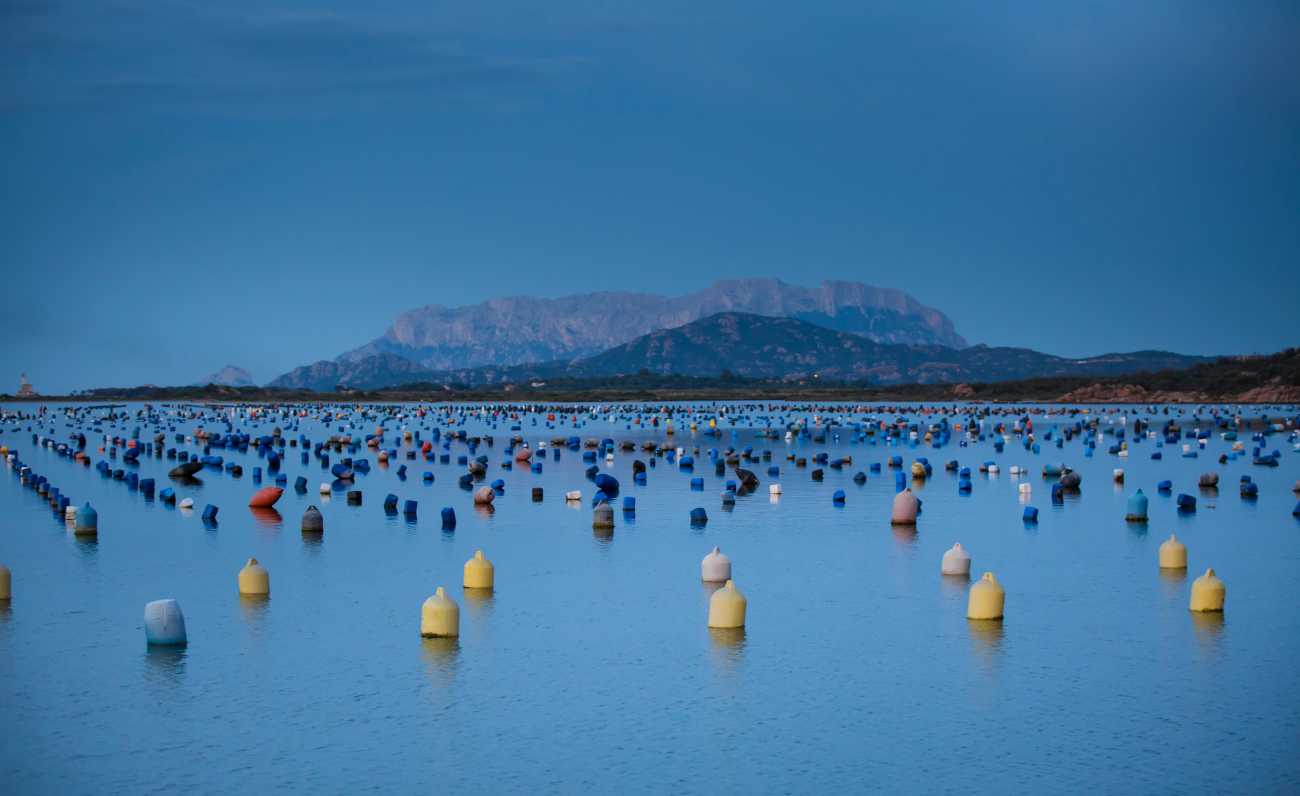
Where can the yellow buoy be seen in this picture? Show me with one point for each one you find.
(254, 580)
(987, 599)
(1208, 592)
(1173, 554)
(727, 607)
(440, 616)
(479, 572)
(6, 583)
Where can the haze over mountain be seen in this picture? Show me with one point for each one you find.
(229, 376)
(519, 329)
(752, 346)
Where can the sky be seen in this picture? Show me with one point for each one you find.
(186, 185)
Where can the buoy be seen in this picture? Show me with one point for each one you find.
(575, 494)
(265, 497)
(187, 503)
(484, 496)
(448, 518)
(956, 561)
(699, 516)
(1208, 480)
(1137, 508)
(715, 567)
(905, 508)
(164, 624)
(440, 616)
(1208, 593)
(325, 489)
(479, 572)
(6, 583)
(602, 516)
(1173, 554)
(727, 607)
(313, 521)
(987, 599)
(774, 489)
(87, 522)
(254, 580)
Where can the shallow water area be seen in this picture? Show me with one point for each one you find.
(591, 666)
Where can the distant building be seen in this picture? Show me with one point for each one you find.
(25, 388)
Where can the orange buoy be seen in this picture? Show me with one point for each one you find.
(265, 497)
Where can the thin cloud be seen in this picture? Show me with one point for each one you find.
(185, 58)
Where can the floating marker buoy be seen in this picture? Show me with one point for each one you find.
(602, 516)
(1208, 480)
(187, 503)
(774, 489)
(987, 599)
(325, 489)
(727, 607)
(1173, 554)
(537, 494)
(699, 516)
(1030, 515)
(1137, 508)
(87, 522)
(484, 496)
(313, 521)
(210, 513)
(715, 567)
(905, 508)
(164, 624)
(354, 497)
(837, 499)
(448, 518)
(956, 561)
(1208, 593)
(265, 498)
(254, 580)
(1186, 503)
(440, 616)
(1119, 476)
(479, 572)
(6, 583)
(575, 494)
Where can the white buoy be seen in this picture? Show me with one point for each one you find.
(773, 489)
(187, 503)
(575, 494)
(324, 489)
(715, 567)
(164, 624)
(956, 561)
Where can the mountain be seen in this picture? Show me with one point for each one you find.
(755, 346)
(372, 372)
(759, 347)
(507, 331)
(229, 376)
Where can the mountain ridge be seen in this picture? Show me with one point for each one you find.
(517, 329)
(751, 346)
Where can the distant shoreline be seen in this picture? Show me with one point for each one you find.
(1271, 379)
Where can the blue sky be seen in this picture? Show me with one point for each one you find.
(266, 184)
